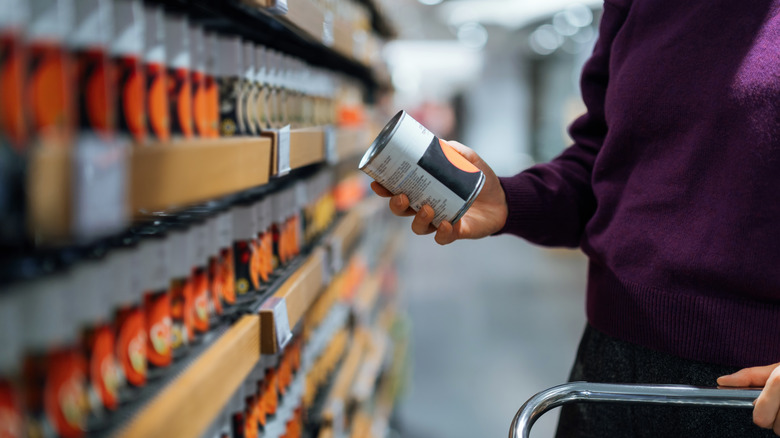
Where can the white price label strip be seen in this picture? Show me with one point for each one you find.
(283, 162)
(278, 307)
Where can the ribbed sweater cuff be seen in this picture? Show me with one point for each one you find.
(716, 330)
(523, 205)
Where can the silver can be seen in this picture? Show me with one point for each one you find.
(407, 158)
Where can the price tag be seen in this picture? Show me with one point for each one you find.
(327, 29)
(100, 187)
(331, 154)
(278, 307)
(279, 7)
(336, 256)
(283, 155)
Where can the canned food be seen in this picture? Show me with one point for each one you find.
(407, 158)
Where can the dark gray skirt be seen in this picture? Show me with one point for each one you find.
(601, 358)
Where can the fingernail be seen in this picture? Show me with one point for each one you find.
(397, 201)
(423, 212)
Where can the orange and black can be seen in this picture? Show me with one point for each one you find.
(90, 42)
(127, 59)
(229, 84)
(200, 105)
(49, 91)
(177, 53)
(407, 158)
(155, 74)
(211, 87)
(13, 61)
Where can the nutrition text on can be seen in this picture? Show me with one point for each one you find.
(407, 158)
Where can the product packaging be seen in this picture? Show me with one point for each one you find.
(127, 51)
(230, 69)
(179, 63)
(155, 72)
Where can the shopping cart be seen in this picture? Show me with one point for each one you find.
(586, 392)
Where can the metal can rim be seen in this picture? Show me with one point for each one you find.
(471, 199)
(381, 140)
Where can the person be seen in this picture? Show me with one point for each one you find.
(671, 190)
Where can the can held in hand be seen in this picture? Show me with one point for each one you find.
(407, 158)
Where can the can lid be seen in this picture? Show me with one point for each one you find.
(128, 28)
(93, 25)
(271, 67)
(249, 60)
(229, 56)
(179, 256)
(50, 19)
(177, 42)
(225, 229)
(15, 13)
(198, 48)
(211, 53)
(260, 64)
(381, 140)
(120, 267)
(244, 225)
(43, 312)
(11, 331)
(154, 34)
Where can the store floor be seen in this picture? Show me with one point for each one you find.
(494, 321)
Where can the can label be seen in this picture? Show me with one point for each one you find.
(12, 116)
(212, 106)
(64, 397)
(157, 101)
(229, 98)
(103, 371)
(95, 97)
(407, 158)
(11, 419)
(131, 105)
(48, 91)
(158, 327)
(200, 104)
(131, 345)
(201, 295)
(180, 100)
(227, 274)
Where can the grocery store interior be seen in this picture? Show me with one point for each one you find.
(189, 250)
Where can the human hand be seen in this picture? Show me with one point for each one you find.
(486, 216)
(767, 405)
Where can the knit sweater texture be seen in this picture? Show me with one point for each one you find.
(672, 185)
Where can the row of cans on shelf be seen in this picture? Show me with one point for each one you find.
(262, 397)
(79, 343)
(108, 66)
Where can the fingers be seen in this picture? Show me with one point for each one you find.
(465, 151)
(445, 234)
(768, 403)
(399, 205)
(380, 190)
(421, 224)
(755, 376)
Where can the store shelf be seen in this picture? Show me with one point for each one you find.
(281, 312)
(307, 146)
(166, 175)
(188, 405)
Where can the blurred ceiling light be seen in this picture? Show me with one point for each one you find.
(473, 35)
(578, 15)
(430, 2)
(562, 24)
(545, 40)
(513, 14)
(584, 36)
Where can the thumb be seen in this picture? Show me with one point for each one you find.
(466, 151)
(756, 376)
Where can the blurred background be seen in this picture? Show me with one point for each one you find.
(496, 320)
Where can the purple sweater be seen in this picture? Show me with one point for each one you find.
(672, 185)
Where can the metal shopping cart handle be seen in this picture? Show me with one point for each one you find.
(586, 392)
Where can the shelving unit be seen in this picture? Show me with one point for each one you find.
(185, 184)
(211, 380)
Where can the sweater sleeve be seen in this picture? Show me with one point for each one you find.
(549, 204)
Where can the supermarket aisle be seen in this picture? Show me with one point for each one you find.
(494, 321)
